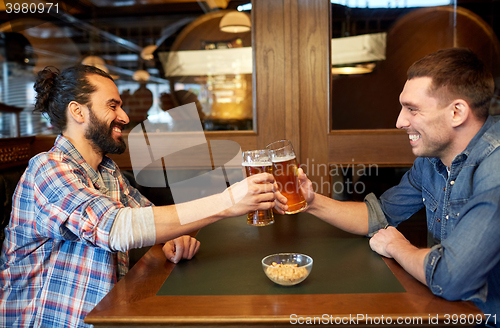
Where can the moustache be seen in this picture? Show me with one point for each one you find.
(121, 126)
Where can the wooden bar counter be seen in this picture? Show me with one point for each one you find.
(224, 285)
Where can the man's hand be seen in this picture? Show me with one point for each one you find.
(257, 192)
(306, 187)
(280, 201)
(392, 244)
(382, 238)
(184, 247)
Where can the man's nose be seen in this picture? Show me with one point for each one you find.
(122, 116)
(402, 121)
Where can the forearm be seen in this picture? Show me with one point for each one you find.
(132, 228)
(173, 221)
(254, 193)
(409, 257)
(348, 216)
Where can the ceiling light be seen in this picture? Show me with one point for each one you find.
(247, 6)
(359, 49)
(210, 63)
(141, 75)
(147, 53)
(357, 54)
(353, 69)
(95, 61)
(235, 22)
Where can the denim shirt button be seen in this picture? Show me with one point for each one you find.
(437, 290)
(452, 182)
(423, 199)
(447, 217)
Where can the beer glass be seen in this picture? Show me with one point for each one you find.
(255, 162)
(286, 175)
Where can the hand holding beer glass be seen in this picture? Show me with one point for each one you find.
(255, 162)
(286, 175)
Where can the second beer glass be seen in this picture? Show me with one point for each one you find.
(255, 162)
(286, 176)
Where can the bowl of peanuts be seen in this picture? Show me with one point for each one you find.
(287, 269)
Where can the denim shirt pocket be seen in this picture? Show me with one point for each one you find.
(454, 213)
(430, 207)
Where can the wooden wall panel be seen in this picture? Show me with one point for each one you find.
(269, 69)
(314, 86)
(291, 48)
(389, 147)
(292, 77)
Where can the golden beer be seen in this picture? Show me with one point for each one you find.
(257, 168)
(286, 175)
(254, 163)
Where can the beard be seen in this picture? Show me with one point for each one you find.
(100, 134)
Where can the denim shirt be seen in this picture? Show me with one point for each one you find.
(463, 216)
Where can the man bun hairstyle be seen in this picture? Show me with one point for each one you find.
(457, 73)
(55, 90)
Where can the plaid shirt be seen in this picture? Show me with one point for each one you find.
(55, 263)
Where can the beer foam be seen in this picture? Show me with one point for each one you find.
(257, 164)
(283, 159)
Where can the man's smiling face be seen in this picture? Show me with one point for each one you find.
(425, 120)
(106, 117)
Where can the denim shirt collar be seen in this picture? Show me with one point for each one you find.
(490, 121)
(481, 136)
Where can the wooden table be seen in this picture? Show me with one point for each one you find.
(201, 293)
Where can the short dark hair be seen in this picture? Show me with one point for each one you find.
(457, 73)
(55, 90)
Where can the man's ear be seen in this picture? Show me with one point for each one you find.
(76, 111)
(460, 112)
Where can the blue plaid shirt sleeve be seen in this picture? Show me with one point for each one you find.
(66, 207)
(55, 263)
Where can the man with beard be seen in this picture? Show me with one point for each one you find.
(445, 111)
(74, 215)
